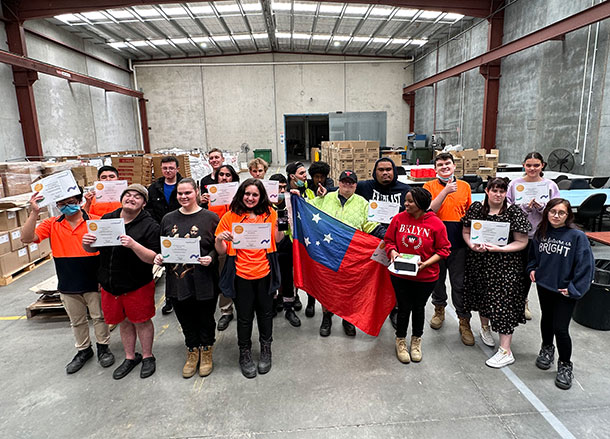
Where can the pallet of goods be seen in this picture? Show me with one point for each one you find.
(134, 169)
(356, 155)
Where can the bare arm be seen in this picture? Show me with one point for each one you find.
(440, 198)
(28, 231)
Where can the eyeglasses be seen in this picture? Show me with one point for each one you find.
(559, 213)
(63, 203)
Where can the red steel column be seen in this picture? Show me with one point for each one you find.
(144, 124)
(491, 72)
(409, 98)
(24, 80)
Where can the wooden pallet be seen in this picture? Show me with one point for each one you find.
(46, 307)
(9, 279)
(424, 179)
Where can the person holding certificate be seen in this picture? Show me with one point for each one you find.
(494, 277)
(95, 207)
(223, 174)
(531, 193)
(415, 231)
(125, 273)
(191, 286)
(251, 275)
(562, 265)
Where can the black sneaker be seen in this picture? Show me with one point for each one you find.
(292, 318)
(104, 356)
(79, 360)
(298, 306)
(167, 308)
(546, 356)
(223, 322)
(326, 324)
(349, 329)
(247, 366)
(126, 366)
(565, 374)
(310, 310)
(149, 366)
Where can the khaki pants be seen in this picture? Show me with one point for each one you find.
(76, 306)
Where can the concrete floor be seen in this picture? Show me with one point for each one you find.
(333, 387)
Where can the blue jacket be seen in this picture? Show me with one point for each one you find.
(563, 259)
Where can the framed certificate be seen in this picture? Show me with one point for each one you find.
(110, 190)
(56, 187)
(251, 235)
(221, 194)
(107, 231)
(382, 211)
(489, 232)
(180, 250)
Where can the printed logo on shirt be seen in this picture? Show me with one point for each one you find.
(392, 198)
(552, 246)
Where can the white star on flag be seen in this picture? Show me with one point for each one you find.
(307, 242)
(328, 238)
(299, 215)
(316, 218)
(317, 242)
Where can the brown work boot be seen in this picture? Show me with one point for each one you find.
(192, 359)
(401, 350)
(466, 332)
(205, 363)
(415, 349)
(436, 322)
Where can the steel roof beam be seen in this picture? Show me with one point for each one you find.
(224, 26)
(379, 29)
(358, 27)
(247, 22)
(337, 24)
(269, 24)
(313, 25)
(201, 26)
(178, 28)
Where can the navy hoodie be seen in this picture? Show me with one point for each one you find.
(563, 259)
(373, 190)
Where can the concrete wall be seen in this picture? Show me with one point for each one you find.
(540, 89)
(205, 107)
(73, 118)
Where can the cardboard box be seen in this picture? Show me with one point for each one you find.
(33, 252)
(396, 157)
(470, 154)
(13, 261)
(5, 243)
(486, 172)
(8, 219)
(86, 173)
(44, 247)
(15, 238)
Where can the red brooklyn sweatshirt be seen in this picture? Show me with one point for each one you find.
(425, 237)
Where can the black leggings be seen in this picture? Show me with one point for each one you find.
(411, 298)
(253, 295)
(197, 320)
(284, 250)
(555, 321)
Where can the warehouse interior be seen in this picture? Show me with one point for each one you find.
(93, 78)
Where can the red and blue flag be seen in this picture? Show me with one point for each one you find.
(332, 262)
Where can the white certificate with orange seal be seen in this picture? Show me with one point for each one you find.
(180, 250)
(251, 235)
(489, 232)
(109, 190)
(528, 191)
(56, 187)
(107, 231)
(221, 194)
(382, 211)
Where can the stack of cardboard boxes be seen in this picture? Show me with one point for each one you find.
(134, 169)
(14, 254)
(356, 155)
(18, 176)
(475, 161)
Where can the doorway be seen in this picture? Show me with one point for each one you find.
(303, 132)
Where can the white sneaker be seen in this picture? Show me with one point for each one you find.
(486, 336)
(500, 359)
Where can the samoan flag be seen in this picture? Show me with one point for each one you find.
(332, 262)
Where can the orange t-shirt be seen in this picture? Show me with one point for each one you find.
(456, 204)
(103, 208)
(219, 210)
(249, 264)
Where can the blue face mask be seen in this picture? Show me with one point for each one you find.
(280, 197)
(446, 179)
(300, 183)
(69, 209)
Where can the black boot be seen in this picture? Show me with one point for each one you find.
(310, 310)
(264, 364)
(349, 329)
(248, 368)
(545, 357)
(298, 306)
(292, 318)
(167, 308)
(326, 324)
(564, 374)
(79, 360)
(104, 356)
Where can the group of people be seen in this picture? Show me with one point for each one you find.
(434, 223)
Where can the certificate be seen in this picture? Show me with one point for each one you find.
(526, 192)
(379, 255)
(180, 250)
(221, 194)
(382, 211)
(273, 189)
(251, 235)
(56, 187)
(489, 232)
(109, 190)
(107, 231)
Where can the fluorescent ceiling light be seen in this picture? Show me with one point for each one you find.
(361, 39)
(419, 42)
(241, 37)
(320, 37)
(336, 43)
(341, 38)
(399, 41)
(200, 39)
(429, 15)
(330, 9)
(260, 36)
(301, 36)
(380, 40)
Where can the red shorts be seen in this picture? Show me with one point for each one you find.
(138, 306)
